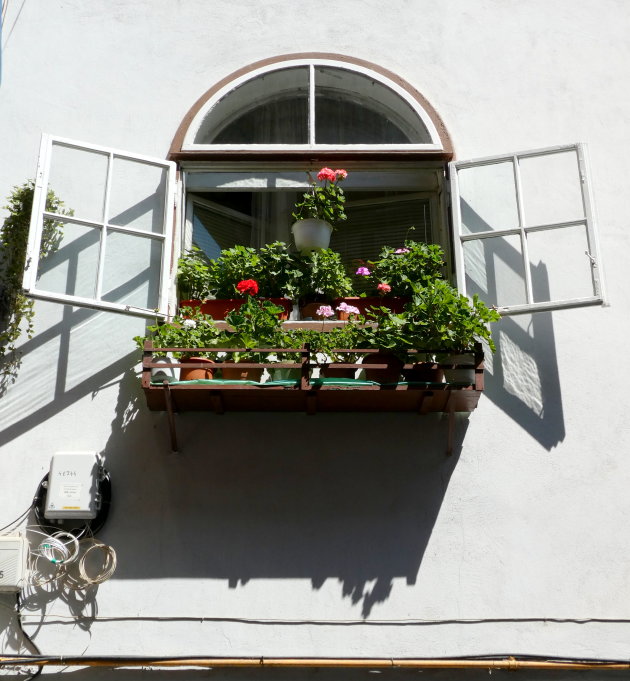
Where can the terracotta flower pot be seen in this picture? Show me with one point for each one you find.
(394, 303)
(231, 372)
(389, 375)
(424, 372)
(219, 308)
(205, 370)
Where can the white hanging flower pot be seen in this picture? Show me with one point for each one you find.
(311, 234)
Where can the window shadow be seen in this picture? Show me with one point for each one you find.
(522, 376)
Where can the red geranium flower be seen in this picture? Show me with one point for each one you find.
(248, 287)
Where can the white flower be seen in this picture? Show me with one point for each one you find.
(189, 324)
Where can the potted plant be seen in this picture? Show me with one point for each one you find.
(254, 325)
(322, 278)
(320, 209)
(279, 275)
(190, 329)
(389, 280)
(439, 318)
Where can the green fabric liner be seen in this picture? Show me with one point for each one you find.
(315, 382)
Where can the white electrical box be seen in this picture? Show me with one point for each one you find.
(13, 554)
(72, 486)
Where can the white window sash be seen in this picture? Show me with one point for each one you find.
(523, 229)
(39, 214)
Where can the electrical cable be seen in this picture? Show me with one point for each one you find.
(109, 565)
(18, 519)
(34, 646)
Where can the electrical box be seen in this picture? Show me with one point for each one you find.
(13, 552)
(73, 486)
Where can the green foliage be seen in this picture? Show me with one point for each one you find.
(323, 274)
(324, 202)
(16, 310)
(403, 268)
(192, 275)
(437, 318)
(256, 324)
(280, 274)
(233, 265)
(190, 329)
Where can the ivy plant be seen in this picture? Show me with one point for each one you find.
(16, 310)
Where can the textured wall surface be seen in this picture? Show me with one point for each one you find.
(336, 535)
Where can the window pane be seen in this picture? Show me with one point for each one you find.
(551, 188)
(217, 227)
(488, 198)
(78, 178)
(269, 109)
(559, 264)
(71, 269)
(351, 108)
(494, 270)
(380, 221)
(137, 195)
(131, 273)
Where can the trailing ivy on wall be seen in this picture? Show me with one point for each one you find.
(16, 310)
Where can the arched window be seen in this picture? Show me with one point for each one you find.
(312, 103)
(248, 141)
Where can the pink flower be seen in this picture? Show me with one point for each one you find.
(349, 309)
(398, 251)
(383, 288)
(341, 174)
(324, 311)
(326, 174)
(363, 272)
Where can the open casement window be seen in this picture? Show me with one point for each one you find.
(254, 208)
(525, 238)
(114, 246)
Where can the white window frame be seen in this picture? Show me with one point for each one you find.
(523, 229)
(39, 214)
(190, 145)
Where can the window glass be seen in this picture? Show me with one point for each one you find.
(552, 191)
(495, 271)
(72, 268)
(78, 177)
(351, 108)
(137, 195)
(487, 197)
(560, 267)
(125, 254)
(269, 109)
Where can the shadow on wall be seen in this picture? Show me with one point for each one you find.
(522, 376)
(350, 497)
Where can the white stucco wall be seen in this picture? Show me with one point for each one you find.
(266, 523)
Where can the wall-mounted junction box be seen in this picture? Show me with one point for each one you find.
(72, 486)
(13, 554)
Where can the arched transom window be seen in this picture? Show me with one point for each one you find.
(312, 104)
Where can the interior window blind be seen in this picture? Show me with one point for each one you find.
(216, 228)
(382, 222)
